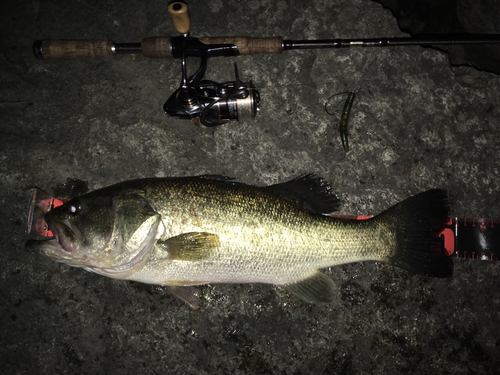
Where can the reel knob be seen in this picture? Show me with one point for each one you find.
(180, 16)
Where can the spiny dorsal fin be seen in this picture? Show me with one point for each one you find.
(215, 177)
(191, 247)
(311, 191)
(317, 288)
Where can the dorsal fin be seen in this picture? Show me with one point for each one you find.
(311, 191)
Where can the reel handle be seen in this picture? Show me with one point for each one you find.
(180, 16)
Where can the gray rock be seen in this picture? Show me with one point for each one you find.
(417, 123)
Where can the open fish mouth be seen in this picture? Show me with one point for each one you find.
(60, 247)
(64, 233)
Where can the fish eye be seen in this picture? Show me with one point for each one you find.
(74, 206)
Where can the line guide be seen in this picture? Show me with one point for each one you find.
(461, 237)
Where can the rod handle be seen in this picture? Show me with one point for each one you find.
(156, 47)
(159, 47)
(249, 46)
(180, 16)
(153, 47)
(72, 49)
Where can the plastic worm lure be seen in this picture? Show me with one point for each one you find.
(344, 118)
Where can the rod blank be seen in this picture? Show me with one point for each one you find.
(421, 40)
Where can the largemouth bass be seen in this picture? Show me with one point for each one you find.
(183, 232)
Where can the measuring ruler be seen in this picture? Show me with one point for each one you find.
(472, 238)
(461, 237)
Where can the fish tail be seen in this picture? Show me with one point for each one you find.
(415, 225)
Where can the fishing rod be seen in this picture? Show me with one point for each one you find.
(208, 102)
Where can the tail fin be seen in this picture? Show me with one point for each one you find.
(417, 222)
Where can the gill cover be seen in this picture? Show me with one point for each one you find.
(134, 233)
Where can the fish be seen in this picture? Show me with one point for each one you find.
(182, 232)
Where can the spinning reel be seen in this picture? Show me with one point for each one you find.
(207, 102)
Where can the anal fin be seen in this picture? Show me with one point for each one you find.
(317, 288)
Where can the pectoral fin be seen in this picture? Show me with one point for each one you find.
(318, 289)
(191, 247)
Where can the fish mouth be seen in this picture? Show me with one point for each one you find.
(62, 247)
(47, 248)
(64, 233)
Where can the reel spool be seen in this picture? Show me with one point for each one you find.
(212, 104)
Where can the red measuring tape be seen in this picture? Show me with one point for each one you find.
(461, 237)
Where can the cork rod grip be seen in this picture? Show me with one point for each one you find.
(180, 17)
(72, 49)
(157, 47)
(250, 46)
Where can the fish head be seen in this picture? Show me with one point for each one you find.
(110, 234)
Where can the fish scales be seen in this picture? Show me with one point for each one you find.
(263, 238)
